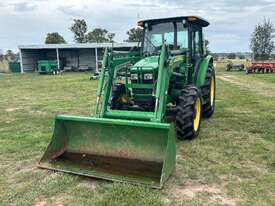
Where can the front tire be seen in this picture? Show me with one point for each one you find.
(189, 112)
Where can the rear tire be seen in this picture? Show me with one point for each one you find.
(189, 111)
(209, 93)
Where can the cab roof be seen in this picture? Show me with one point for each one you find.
(195, 19)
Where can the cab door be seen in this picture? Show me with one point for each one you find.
(197, 43)
(196, 50)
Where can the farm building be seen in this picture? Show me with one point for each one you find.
(68, 56)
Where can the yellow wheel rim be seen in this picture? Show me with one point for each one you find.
(212, 91)
(197, 116)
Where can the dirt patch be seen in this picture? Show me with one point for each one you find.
(230, 79)
(179, 157)
(215, 194)
(40, 202)
(237, 110)
(223, 200)
(10, 121)
(58, 200)
(26, 170)
(50, 175)
(38, 112)
(12, 109)
(88, 184)
(190, 191)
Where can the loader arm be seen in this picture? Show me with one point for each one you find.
(111, 62)
(162, 85)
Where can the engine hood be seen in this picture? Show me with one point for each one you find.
(149, 63)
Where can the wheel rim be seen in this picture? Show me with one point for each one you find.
(197, 116)
(212, 91)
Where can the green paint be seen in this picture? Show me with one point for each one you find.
(162, 86)
(120, 114)
(47, 66)
(141, 86)
(147, 63)
(200, 76)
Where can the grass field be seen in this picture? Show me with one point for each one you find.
(232, 162)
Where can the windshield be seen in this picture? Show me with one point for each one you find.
(157, 34)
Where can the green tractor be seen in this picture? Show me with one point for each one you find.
(145, 100)
(48, 67)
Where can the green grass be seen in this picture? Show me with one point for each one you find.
(232, 162)
(265, 77)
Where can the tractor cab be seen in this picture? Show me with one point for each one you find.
(184, 41)
(180, 34)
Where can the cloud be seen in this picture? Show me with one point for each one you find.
(135, 5)
(24, 7)
(71, 10)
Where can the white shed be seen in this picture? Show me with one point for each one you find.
(75, 56)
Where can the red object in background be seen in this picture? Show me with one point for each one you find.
(263, 66)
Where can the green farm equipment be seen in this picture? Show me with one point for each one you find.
(14, 66)
(145, 100)
(234, 67)
(48, 67)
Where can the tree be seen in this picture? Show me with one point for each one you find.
(207, 46)
(111, 37)
(134, 35)
(262, 43)
(215, 56)
(241, 56)
(54, 38)
(79, 28)
(11, 56)
(100, 35)
(231, 56)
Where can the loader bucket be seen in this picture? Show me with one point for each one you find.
(119, 150)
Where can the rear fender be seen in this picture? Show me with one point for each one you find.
(200, 75)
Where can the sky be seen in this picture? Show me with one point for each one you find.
(232, 21)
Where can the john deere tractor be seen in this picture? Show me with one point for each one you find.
(146, 98)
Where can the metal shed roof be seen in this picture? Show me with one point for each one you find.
(78, 46)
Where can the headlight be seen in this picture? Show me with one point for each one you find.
(148, 76)
(134, 77)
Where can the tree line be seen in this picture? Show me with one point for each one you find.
(98, 35)
(10, 56)
(261, 44)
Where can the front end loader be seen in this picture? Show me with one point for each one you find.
(145, 100)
